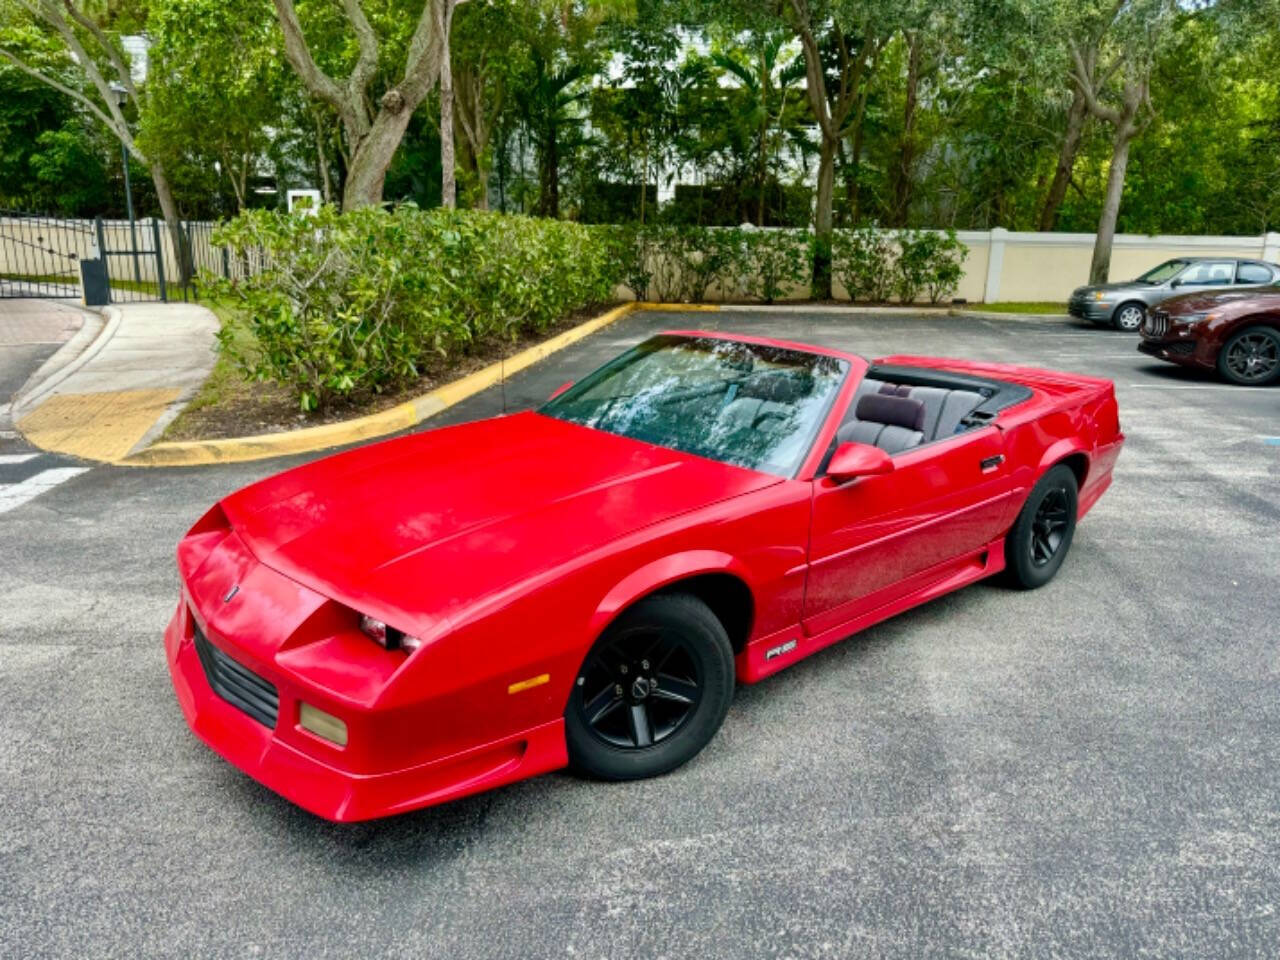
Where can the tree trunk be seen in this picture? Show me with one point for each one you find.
(164, 194)
(482, 190)
(371, 156)
(448, 172)
(763, 146)
(1066, 162)
(902, 174)
(644, 180)
(821, 285)
(1100, 266)
(322, 162)
(549, 199)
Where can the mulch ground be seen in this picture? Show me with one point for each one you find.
(246, 408)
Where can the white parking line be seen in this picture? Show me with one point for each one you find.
(16, 457)
(16, 494)
(1191, 386)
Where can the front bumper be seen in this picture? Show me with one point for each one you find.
(317, 775)
(1089, 309)
(1165, 339)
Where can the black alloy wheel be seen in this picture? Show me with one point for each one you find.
(1251, 357)
(652, 691)
(1049, 527)
(639, 687)
(1041, 536)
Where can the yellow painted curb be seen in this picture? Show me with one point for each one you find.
(677, 307)
(400, 417)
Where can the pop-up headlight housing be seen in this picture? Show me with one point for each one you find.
(387, 636)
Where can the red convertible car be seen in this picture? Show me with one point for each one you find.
(583, 584)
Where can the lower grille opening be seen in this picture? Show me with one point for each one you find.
(236, 683)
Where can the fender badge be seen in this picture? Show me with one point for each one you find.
(231, 593)
(780, 650)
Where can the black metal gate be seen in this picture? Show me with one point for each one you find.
(40, 256)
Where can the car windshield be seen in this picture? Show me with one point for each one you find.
(741, 403)
(1163, 272)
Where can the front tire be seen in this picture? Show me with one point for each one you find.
(1129, 316)
(1251, 357)
(1041, 536)
(652, 692)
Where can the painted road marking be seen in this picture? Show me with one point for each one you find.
(1191, 386)
(16, 457)
(16, 494)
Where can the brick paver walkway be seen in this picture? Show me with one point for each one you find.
(37, 321)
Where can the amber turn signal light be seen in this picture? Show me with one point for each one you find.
(323, 725)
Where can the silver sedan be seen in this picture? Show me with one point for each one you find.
(1123, 305)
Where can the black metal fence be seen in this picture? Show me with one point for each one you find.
(40, 256)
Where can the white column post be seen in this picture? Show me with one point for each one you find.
(995, 264)
(1271, 247)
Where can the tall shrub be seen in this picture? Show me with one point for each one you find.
(360, 301)
(862, 260)
(928, 262)
(773, 262)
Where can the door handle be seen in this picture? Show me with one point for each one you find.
(991, 463)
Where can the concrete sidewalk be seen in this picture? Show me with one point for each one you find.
(125, 387)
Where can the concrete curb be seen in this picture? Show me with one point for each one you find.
(997, 315)
(397, 418)
(889, 309)
(25, 398)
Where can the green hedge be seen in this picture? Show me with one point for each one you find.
(685, 263)
(350, 303)
(361, 301)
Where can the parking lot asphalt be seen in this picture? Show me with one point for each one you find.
(1086, 770)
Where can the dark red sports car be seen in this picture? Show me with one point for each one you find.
(584, 584)
(1234, 332)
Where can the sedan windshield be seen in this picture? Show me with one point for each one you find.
(742, 403)
(1164, 272)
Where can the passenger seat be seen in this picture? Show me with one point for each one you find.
(889, 422)
(944, 409)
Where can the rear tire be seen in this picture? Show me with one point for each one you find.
(1041, 536)
(1129, 316)
(652, 692)
(1251, 357)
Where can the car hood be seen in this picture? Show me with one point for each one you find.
(1118, 285)
(430, 522)
(1254, 298)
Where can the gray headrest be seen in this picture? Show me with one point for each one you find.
(895, 411)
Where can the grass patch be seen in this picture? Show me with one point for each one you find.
(1017, 306)
(226, 393)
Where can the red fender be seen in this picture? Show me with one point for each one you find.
(1058, 451)
(656, 575)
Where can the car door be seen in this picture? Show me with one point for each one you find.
(875, 539)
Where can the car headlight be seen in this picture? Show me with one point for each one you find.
(1189, 318)
(386, 636)
(1099, 295)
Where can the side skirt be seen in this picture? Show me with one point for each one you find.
(767, 655)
